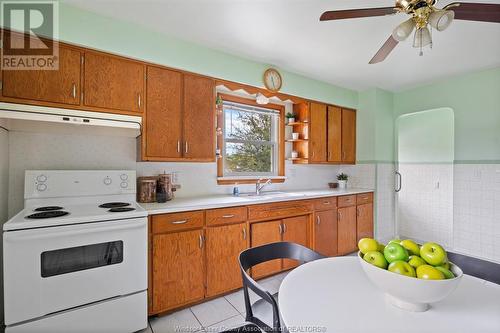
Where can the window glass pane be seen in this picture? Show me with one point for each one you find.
(247, 126)
(79, 258)
(248, 158)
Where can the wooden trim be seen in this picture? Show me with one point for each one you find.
(281, 140)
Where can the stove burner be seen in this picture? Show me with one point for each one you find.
(47, 208)
(47, 214)
(114, 204)
(121, 209)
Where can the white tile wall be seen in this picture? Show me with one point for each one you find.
(384, 198)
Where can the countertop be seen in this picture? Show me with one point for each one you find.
(221, 201)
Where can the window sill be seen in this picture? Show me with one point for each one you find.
(248, 179)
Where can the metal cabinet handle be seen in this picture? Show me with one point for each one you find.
(139, 100)
(400, 181)
(358, 213)
(179, 222)
(343, 155)
(73, 93)
(178, 146)
(186, 147)
(228, 216)
(339, 215)
(201, 241)
(326, 202)
(244, 233)
(284, 227)
(318, 220)
(280, 228)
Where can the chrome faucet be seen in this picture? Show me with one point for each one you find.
(259, 186)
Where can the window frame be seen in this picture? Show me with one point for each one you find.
(279, 159)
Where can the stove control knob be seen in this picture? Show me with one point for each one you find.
(123, 176)
(41, 178)
(124, 184)
(41, 187)
(107, 181)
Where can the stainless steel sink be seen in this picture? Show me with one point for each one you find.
(270, 195)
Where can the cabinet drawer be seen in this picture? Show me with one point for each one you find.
(226, 215)
(177, 221)
(364, 198)
(347, 200)
(325, 203)
(279, 209)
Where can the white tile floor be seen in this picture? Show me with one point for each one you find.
(214, 316)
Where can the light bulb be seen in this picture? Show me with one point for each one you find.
(441, 19)
(402, 31)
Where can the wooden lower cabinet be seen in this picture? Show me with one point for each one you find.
(223, 245)
(365, 221)
(295, 230)
(325, 232)
(265, 233)
(346, 228)
(178, 269)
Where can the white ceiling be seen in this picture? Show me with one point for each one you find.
(288, 34)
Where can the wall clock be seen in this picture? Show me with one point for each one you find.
(272, 80)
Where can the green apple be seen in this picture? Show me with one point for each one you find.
(402, 267)
(397, 241)
(446, 264)
(366, 245)
(427, 272)
(446, 272)
(411, 246)
(375, 258)
(381, 247)
(433, 254)
(394, 252)
(416, 261)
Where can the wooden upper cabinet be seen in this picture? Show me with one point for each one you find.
(199, 118)
(264, 233)
(113, 83)
(346, 228)
(223, 246)
(365, 221)
(55, 86)
(317, 132)
(334, 134)
(295, 230)
(164, 113)
(348, 136)
(325, 232)
(178, 269)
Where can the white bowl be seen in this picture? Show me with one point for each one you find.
(410, 293)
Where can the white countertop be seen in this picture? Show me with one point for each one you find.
(220, 201)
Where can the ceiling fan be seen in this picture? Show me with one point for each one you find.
(423, 14)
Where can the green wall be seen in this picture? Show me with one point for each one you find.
(475, 100)
(92, 30)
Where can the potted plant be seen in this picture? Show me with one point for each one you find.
(290, 118)
(342, 178)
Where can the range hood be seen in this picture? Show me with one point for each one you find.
(30, 118)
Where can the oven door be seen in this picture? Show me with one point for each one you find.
(48, 270)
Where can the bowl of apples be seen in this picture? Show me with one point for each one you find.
(412, 276)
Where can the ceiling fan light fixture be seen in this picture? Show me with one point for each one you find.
(441, 19)
(402, 31)
(422, 37)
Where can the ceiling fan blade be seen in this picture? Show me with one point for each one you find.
(355, 13)
(485, 12)
(384, 51)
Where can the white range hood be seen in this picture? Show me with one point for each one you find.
(30, 118)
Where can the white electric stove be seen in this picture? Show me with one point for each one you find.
(75, 258)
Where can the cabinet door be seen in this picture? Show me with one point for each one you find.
(199, 118)
(178, 276)
(348, 136)
(365, 221)
(317, 132)
(264, 233)
(295, 231)
(164, 116)
(113, 83)
(224, 244)
(334, 134)
(56, 86)
(347, 238)
(325, 232)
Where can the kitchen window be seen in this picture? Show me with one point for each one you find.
(250, 145)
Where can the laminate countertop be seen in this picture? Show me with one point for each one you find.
(221, 201)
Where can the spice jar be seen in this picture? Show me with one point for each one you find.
(164, 188)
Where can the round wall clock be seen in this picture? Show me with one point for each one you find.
(272, 79)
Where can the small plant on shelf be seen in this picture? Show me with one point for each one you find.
(342, 178)
(290, 117)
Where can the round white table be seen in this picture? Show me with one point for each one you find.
(334, 295)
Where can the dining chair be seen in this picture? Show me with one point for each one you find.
(257, 255)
